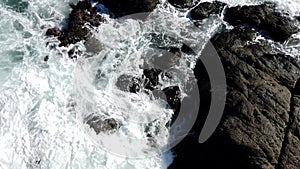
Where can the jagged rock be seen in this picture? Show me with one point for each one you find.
(99, 124)
(264, 18)
(260, 126)
(53, 32)
(152, 79)
(127, 7)
(205, 9)
(129, 83)
(181, 3)
(83, 13)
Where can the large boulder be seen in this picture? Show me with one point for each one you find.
(265, 19)
(260, 126)
(127, 7)
(205, 9)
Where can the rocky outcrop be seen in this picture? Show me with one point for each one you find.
(265, 19)
(127, 7)
(101, 124)
(181, 3)
(205, 9)
(290, 153)
(82, 14)
(256, 130)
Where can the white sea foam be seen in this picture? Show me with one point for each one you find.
(43, 105)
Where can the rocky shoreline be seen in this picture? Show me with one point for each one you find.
(260, 128)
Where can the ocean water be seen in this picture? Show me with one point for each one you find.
(44, 105)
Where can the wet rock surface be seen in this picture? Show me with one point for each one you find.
(256, 130)
(181, 3)
(205, 9)
(265, 19)
(82, 14)
(260, 127)
(100, 124)
(127, 7)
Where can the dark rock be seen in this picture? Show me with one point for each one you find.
(205, 9)
(181, 3)
(46, 58)
(298, 18)
(290, 154)
(260, 126)
(264, 18)
(127, 7)
(297, 88)
(53, 32)
(83, 13)
(173, 96)
(152, 78)
(129, 83)
(186, 49)
(102, 125)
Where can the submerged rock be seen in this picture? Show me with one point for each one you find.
(264, 18)
(129, 83)
(181, 3)
(99, 124)
(127, 7)
(205, 9)
(259, 127)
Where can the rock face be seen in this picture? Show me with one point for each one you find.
(83, 13)
(264, 18)
(260, 127)
(127, 7)
(205, 9)
(181, 3)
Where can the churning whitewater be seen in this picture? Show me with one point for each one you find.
(46, 98)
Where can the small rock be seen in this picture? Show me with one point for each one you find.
(205, 9)
(152, 79)
(46, 58)
(102, 125)
(53, 32)
(129, 83)
(181, 3)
